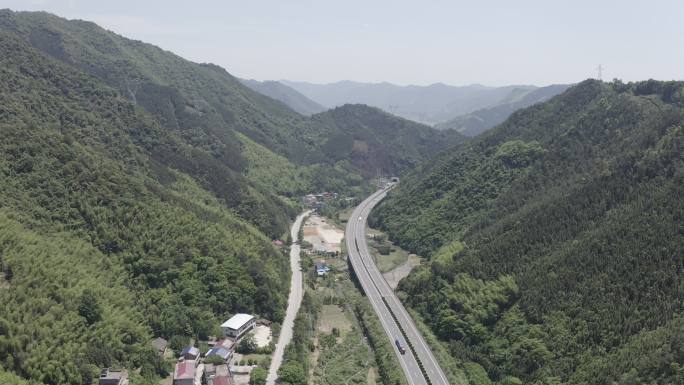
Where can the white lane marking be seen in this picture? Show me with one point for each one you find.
(389, 330)
(406, 318)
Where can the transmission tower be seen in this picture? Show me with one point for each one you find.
(600, 72)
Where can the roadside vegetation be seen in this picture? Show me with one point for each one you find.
(338, 338)
(386, 255)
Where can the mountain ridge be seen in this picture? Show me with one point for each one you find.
(202, 103)
(429, 104)
(285, 94)
(477, 122)
(554, 240)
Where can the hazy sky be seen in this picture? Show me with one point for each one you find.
(404, 42)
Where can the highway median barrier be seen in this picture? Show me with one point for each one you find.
(408, 342)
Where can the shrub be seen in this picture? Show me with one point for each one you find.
(247, 345)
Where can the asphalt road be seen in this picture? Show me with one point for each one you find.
(293, 302)
(387, 306)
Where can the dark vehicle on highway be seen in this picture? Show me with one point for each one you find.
(401, 348)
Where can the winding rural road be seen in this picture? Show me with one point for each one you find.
(293, 301)
(395, 320)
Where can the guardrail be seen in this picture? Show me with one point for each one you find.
(408, 342)
(396, 320)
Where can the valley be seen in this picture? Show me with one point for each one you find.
(166, 222)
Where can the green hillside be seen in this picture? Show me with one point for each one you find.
(139, 193)
(556, 240)
(377, 143)
(477, 122)
(202, 102)
(207, 108)
(189, 100)
(102, 245)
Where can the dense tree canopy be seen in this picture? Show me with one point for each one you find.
(556, 240)
(126, 169)
(102, 246)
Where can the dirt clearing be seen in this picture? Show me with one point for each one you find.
(323, 236)
(402, 271)
(262, 335)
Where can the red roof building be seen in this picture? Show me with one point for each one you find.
(218, 375)
(184, 373)
(221, 381)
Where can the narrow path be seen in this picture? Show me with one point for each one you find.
(293, 301)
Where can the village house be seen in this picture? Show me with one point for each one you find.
(190, 353)
(184, 372)
(220, 351)
(329, 195)
(309, 199)
(110, 376)
(318, 201)
(238, 325)
(217, 375)
(186, 368)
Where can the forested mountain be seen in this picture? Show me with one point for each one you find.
(378, 143)
(202, 103)
(285, 94)
(111, 230)
(431, 104)
(556, 240)
(479, 121)
(139, 193)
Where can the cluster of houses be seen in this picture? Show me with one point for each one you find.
(318, 201)
(191, 369)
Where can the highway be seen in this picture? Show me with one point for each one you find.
(393, 316)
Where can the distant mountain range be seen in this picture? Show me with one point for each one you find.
(433, 104)
(285, 94)
(479, 121)
(469, 110)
